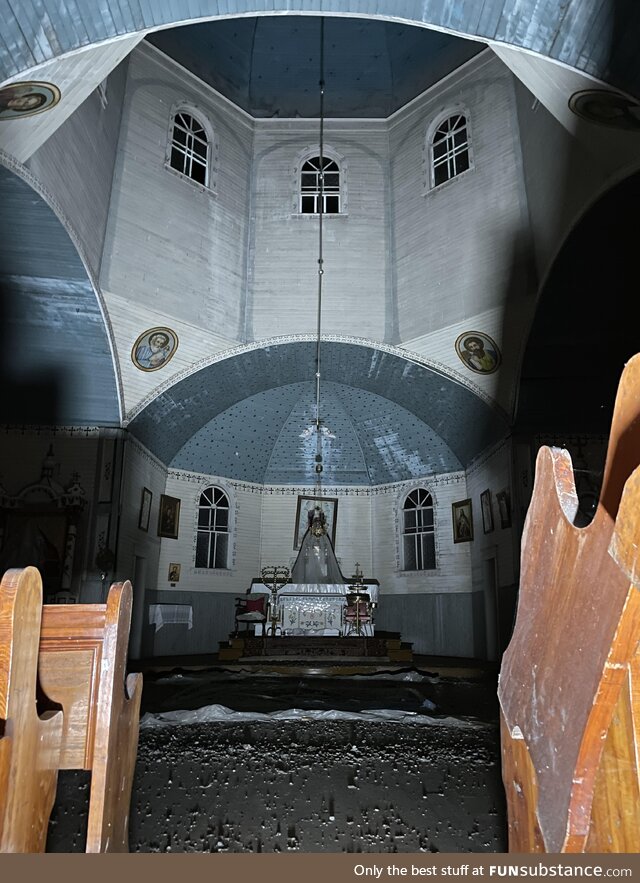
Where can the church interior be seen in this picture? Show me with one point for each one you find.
(290, 301)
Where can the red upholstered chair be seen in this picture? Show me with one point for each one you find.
(357, 614)
(250, 609)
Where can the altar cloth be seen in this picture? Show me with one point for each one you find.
(314, 608)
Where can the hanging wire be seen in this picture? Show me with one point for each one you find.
(320, 267)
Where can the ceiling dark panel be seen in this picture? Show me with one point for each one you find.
(270, 66)
(586, 324)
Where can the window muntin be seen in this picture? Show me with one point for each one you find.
(418, 531)
(212, 540)
(310, 199)
(450, 149)
(189, 148)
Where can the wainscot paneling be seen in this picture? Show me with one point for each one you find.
(436, 624)
(212, 618)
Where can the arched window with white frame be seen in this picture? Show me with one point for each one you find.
(449, 149)
(320, 184)
(212, 541)
(190, 147)
(418, 531)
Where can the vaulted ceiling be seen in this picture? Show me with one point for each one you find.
(245, 417)
(595, 36)
(55, 360)
(392, 419)
(269, 66)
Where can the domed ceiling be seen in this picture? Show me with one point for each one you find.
(251, 418)
(269, 66)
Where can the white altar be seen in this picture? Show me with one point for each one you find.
(313, 608)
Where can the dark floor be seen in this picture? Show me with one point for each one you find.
(428, 782)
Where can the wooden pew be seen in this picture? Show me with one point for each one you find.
(81, 667)
(29, 745)
(570, 679)
(83, 654)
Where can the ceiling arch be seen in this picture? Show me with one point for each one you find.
(245, 417)
(594, 36)
(60, 369)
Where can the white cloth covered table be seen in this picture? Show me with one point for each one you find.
(170, 614)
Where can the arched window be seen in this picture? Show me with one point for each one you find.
(189, 148)
(450, 154)
(310, 173)
(418, 533)
(212, 543)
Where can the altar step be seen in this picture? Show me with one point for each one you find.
(378, 648)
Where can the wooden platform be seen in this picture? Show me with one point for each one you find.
(382, 648)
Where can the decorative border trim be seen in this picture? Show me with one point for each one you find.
(294, 490)
(88, 431)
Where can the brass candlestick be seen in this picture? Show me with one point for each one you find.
(273, 577)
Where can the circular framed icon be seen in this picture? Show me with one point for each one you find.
(26, 98)
(154, 348)
(478, 352)
(607, 108)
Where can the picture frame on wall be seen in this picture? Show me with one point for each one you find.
(487, 511)
(145, 509)
(462, 518)
(504, 508)
(304, 513)
(169, 517)
(174, 573)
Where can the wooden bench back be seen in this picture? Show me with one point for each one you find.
(80, 655)
(29, 746)
(83, 653)
(569, 684)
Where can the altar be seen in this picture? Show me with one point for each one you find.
(314, 608)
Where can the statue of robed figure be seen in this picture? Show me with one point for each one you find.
(316, 561)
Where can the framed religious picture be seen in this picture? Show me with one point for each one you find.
(478, 352)
(154, 348)
(145, 509)
(174, 573)
(607, 108)
(304, 516)
(487, 511)
(169, 517)
(24, 99)
(462, 517)
(504, 508)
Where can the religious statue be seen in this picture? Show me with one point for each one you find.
(316, 561)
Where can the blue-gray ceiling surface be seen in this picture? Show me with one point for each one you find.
(55, 360)
(269, 66)
(270, 438)
(405, 417)
(599, 37)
